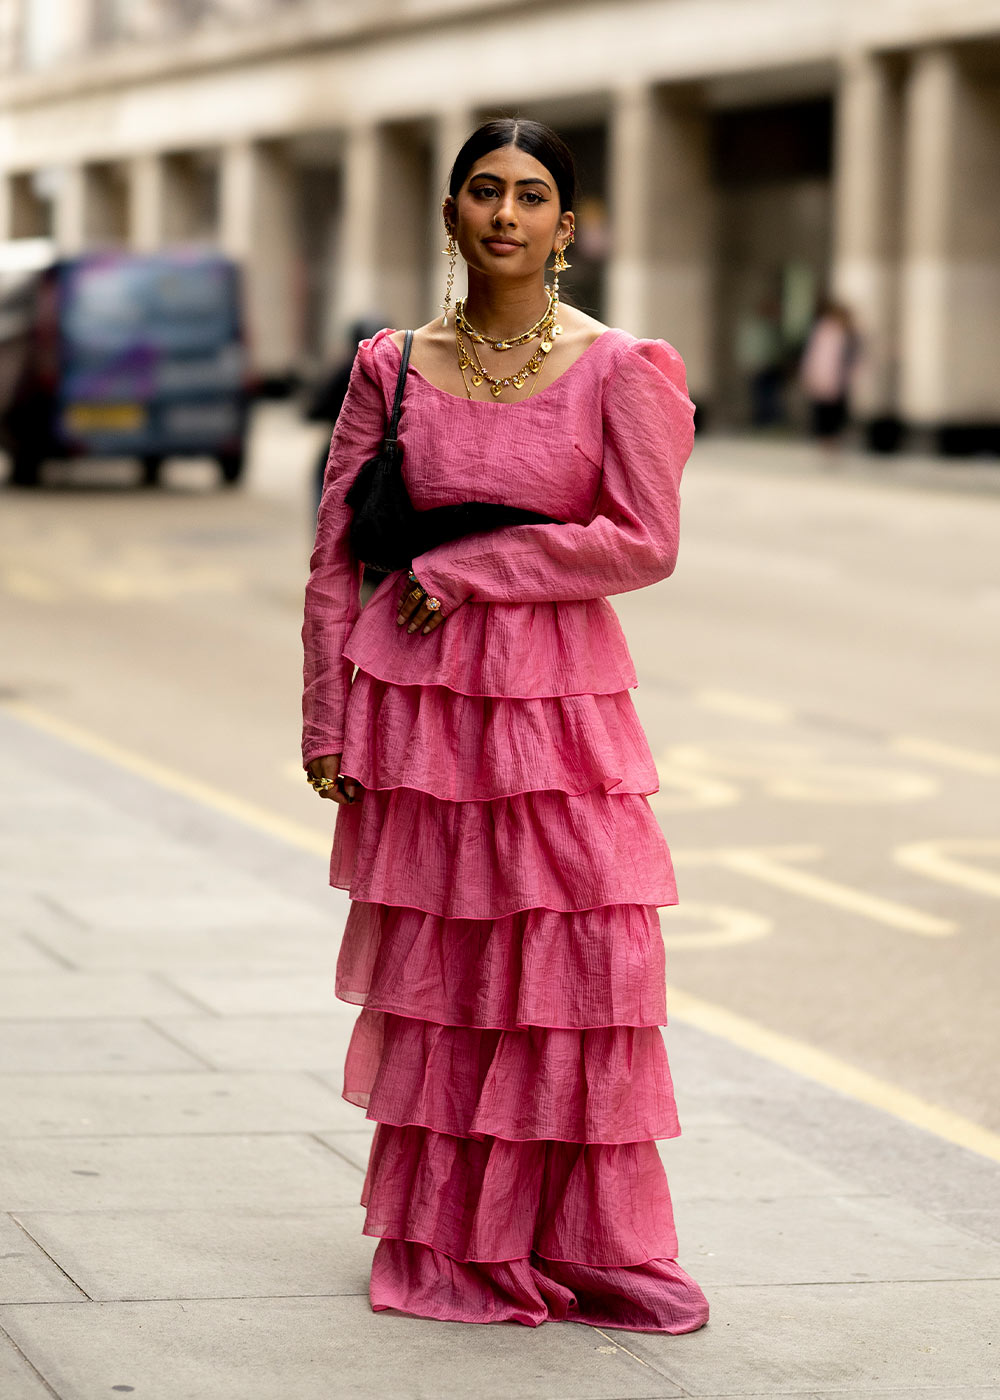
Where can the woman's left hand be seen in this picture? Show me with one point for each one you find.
(413, 610)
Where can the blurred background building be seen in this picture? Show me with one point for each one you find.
(739, 159)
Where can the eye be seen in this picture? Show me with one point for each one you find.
(534, 197)
(483, 190)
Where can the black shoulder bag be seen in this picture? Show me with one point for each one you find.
(387, 532)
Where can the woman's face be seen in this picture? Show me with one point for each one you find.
(506, 215)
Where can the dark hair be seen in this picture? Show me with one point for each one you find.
(538, 140)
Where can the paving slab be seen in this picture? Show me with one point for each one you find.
(72, 1047)
(27, 1274)
(354, 1146)
(267, 1042)
(20, 954)
(825, 1240)
(316, 1349)
(730, 1161)
(33, 996)
(262, 1172)
(18, 1380)
(847, 1338)
(74, 1105)
(245, 943)
(265, 994)
(131, 1255)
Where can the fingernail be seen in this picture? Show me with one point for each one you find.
(411, 627)
(426, 629)
(400, 620)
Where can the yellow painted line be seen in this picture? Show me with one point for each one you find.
(953, 756)
(760, 865)
(835, 1073)
(285, 830)
(784, 1050)
(932, 859)
(730, 703)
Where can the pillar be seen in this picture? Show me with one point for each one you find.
(866, 233)
(449, 132)
(950, 292)
(257, 228)
(70, 209)
(659, 282)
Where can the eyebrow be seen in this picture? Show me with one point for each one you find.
(535, 180)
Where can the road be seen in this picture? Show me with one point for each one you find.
(818, 681)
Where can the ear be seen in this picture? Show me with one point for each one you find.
(449, 211)
(564, 230)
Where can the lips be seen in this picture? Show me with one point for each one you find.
(502, 243)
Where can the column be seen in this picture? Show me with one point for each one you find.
(70, 209)
(661, 213)
(951, 258)
(257, 227)
(357, 292)
(866, 190)
(448, 135)
(146, 201)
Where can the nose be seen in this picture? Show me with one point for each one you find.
(507, 212)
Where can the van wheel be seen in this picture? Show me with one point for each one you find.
(231, 465)
(25, 469)
(151, 468)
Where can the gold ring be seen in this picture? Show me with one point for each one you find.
(321, 784)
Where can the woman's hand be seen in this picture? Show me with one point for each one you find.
(414, 609)
(345, 789)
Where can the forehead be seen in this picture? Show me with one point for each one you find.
(513, 164)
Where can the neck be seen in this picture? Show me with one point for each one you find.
(499, 308)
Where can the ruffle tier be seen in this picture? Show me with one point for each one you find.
(466, 748)
(657, 1296)
(610, 1085)
(528, 650)
(482, 860)
(539, 967)
(490, 1199)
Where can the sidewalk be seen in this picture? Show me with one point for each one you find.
(179, 1177)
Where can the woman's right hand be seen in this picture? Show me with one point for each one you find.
(329, 767)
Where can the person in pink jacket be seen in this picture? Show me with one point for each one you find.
(474, 724)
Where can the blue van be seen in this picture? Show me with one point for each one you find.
(120, 354)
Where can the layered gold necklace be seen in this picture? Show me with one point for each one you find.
(544, 329)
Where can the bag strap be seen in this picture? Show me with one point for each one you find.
(390, 432)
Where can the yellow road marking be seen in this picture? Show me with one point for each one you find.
(285, 830)
(767, 864)
(792, 1054)
(835, 1073)
(932, 859)
(971, 760)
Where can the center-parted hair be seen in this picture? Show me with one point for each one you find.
(535, 138)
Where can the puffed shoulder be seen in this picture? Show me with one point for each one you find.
(647, 366)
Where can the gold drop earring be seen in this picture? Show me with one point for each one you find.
(560, 265)
(452, 252)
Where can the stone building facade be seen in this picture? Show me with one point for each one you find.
(735, 154)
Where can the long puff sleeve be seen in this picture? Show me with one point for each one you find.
(332, 596)
(632, 539)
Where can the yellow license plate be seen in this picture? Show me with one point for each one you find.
(105, 417)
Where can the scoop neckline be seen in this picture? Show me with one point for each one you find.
(516, 403)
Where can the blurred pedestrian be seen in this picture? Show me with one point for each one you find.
(825, 370)
(328, 396)
(504, 864)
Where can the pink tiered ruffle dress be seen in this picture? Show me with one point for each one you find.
(504, 865)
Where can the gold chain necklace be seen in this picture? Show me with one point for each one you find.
(468, 358)
(508, 342)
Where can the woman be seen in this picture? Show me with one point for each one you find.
(492, 777)
(826, 369)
